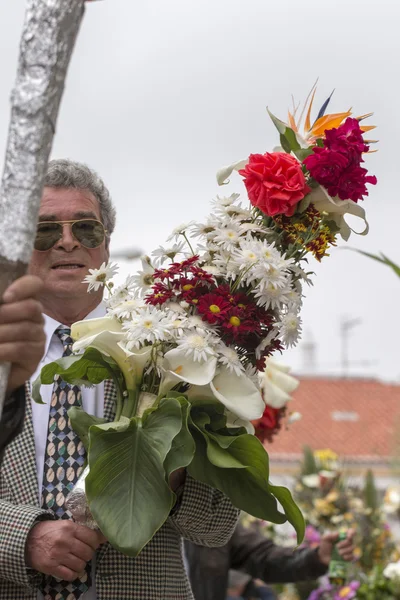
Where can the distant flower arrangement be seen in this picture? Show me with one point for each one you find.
(189, 337)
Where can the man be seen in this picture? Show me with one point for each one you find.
(250, 552)
(21, 344)
(37, 549)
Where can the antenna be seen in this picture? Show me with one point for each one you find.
(346, 325)
(309, 354)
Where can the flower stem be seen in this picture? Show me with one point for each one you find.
(130, 404)
(188, 243)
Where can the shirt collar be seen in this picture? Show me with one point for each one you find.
(50, 324)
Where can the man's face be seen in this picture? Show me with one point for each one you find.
(63, 267)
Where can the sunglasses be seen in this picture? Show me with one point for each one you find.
(88, 232)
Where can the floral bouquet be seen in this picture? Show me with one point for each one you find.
(186, 339)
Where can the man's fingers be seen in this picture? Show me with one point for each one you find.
(64, 573)
(21, 332)
(28, 310)
(74, 563)
(25, 287)
(19, 352)
(88, 536)
(81, 550)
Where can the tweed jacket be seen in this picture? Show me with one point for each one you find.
(204, 516)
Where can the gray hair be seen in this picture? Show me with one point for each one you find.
(65, 173)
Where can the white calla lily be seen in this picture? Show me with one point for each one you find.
(108, 343)
(224, 173)
(277, 384)
(337, 208)
(145, 401)
(233, 420)
(84, 329)
(238, 394)
(137, 359)
(181, 367)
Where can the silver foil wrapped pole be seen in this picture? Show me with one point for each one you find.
(48, 37)
(77, 504)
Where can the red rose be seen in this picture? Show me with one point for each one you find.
(269, 424)
(275, 182)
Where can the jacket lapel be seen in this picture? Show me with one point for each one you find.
(109, 414)
(19, 465)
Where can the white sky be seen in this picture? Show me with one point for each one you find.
(161, 94)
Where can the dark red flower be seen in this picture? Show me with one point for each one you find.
(161, 293)
(336, 166)
(200, 274)
(275, 182)
(269, 424)
(213, 307)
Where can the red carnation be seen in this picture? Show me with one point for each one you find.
(347, 139)
(326, 166)
(275, 182)
(352, 184)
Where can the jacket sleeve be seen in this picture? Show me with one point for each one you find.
(15, 525)
(204, 515)
(12, 419)
(256, 555)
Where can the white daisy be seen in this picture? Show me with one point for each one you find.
(148, 325)
(143, 280)
(127, 309)
(212, 270)
(228, 235)
(199, 345)
(202, 230)
(272, 296)
(162, 254)
(246, 256)
(98, 277)
(180, 230)
(230, 358)
(269, 274)
(252, 373)
(289, 329)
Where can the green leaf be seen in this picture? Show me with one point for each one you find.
(287, 136)
(292, 511)
(246, 487)
(183, 446)
(126, 487)
(81, 421)
(382, 259)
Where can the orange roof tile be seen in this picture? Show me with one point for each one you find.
(354, 417)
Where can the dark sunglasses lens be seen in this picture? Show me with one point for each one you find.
(47, 235)
(88, 233)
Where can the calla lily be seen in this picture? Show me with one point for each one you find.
(224, 173)
(238, 394)
(233, 420)
(137, 360)
(108, 343)
(179, 367)
(277, 384)
(84, 329)
(145, 401)
(336, 209)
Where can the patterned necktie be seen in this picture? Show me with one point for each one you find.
(63, 463)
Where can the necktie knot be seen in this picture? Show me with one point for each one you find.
(64, 335)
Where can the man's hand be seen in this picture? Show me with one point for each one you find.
(61, 548)
(345, 547)
(22, 339)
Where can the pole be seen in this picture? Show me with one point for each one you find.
(48, 38)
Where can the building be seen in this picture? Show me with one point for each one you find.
(357, 418)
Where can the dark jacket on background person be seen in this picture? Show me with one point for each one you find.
(248, 551)
(12, 419)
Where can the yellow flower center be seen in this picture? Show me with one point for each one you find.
(187, 287)
(241, 305)
(101, 277)
(235, 321)
(214, 308)
(344, 592)
(194, 301)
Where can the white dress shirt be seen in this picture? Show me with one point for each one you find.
(92, 402)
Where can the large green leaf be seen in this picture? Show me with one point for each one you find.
(126, 487)
(81, 422)
(183, 446)
(89, 368)
(243, 486)
(238, 465)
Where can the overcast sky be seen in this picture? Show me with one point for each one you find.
(161, 94)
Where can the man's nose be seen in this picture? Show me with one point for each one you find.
(67, 241)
